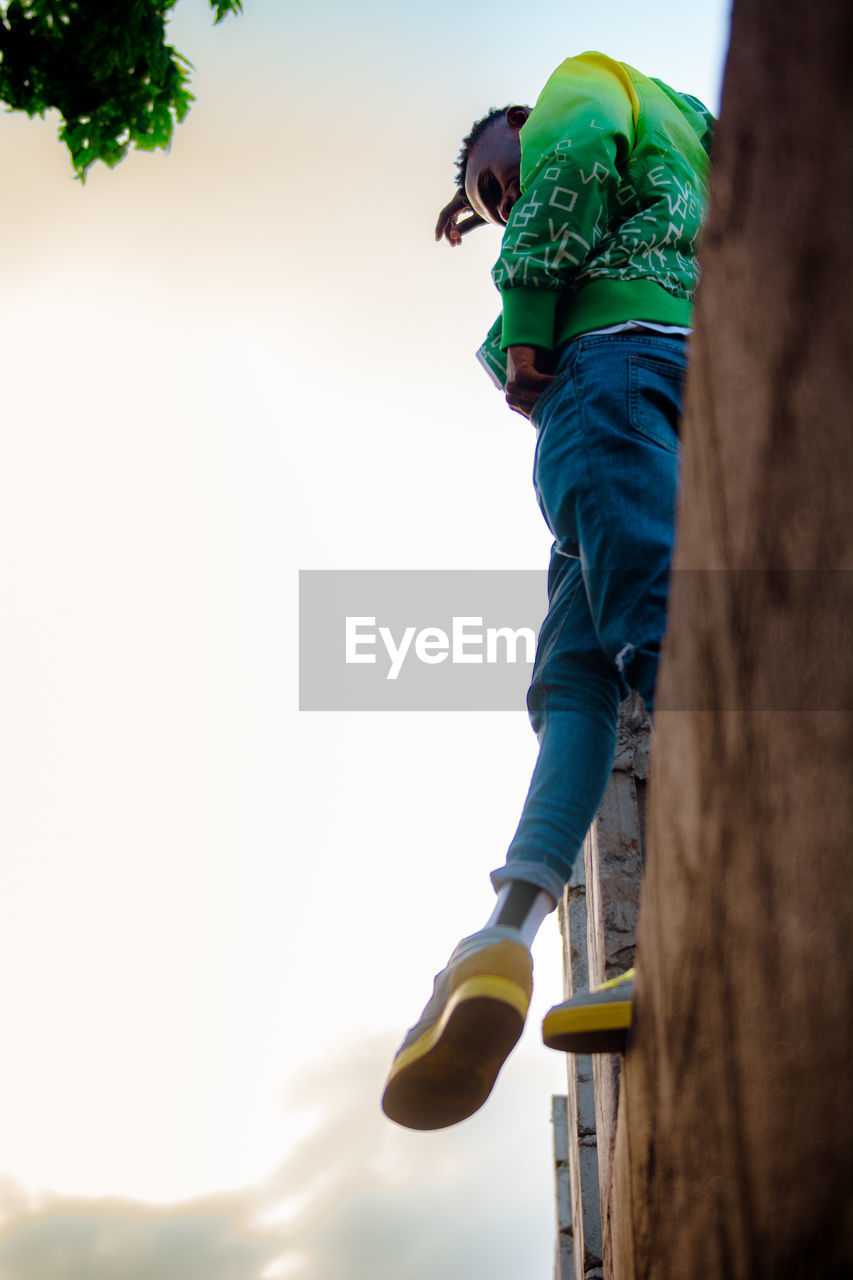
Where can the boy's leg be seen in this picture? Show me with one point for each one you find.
(574, 706)
(606, 478)
(450, 1059)
(607, 462)
(606, 475)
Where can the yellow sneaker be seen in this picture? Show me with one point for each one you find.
(450, 1059)
(595, 1022)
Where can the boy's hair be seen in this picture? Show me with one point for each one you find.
(477, 131)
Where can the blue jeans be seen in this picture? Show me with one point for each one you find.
(605, 473)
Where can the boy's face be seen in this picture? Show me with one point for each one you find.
(493, 173)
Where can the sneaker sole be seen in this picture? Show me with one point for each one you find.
(448, 1074)
(595, 1028)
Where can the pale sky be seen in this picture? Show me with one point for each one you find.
(219, 915)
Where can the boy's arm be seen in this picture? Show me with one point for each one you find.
(448, 224)
(527, 377)
(580, 132)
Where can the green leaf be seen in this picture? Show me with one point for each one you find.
(224, 7)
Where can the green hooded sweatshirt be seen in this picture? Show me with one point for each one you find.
(614, 172)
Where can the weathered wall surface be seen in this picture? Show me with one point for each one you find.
(734, 1149)
(614, 855)
(598, 917)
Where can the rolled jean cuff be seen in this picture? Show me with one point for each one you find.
(530, 873)
(640, 668)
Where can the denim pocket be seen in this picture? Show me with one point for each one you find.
(654, 399)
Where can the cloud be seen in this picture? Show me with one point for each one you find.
(358, 1199)
(68, 1239)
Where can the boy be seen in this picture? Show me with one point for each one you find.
(601, 189)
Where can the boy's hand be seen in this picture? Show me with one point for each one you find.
(448, 224)
(525, 382)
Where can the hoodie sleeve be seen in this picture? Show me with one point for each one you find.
(578, 135)
(708, 125)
